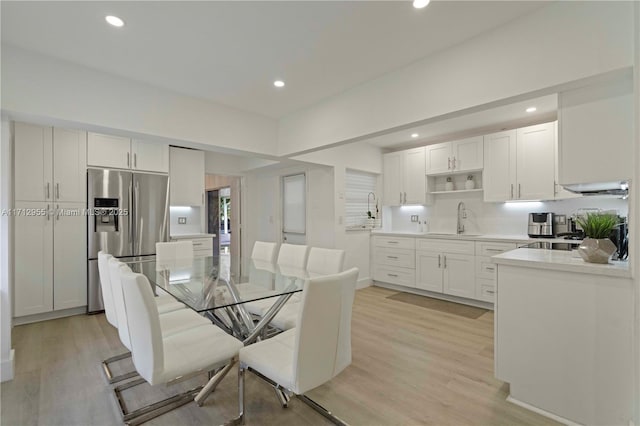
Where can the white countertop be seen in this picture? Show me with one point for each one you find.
(560, 260)
(191, 236)
(470, 237)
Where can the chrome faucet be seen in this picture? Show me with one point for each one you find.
(462, 214)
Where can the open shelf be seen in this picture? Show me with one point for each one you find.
(455, 173)
(456, 191)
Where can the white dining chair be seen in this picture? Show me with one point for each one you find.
(111, 316)
(312, 353)
(321, 261)
(165, 359)
(292, 261)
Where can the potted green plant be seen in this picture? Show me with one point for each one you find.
(597, 247)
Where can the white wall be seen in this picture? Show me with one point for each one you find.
(490, 218)
(6, 185)
(233, 165)
(39, 87)
(560, 43)
(357, 156)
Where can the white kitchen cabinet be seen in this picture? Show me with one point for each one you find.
(519, 164)
(108, 151)
(455, 156)
(50, 164)
(69, 182)
(124, 153)
(33, 259)
(560, 192)
(202, 247)
(499, 174)
(186, 168)
(150, 156)
(596, 128)
(50, 257)
(394, 259)
(69, 254)
(535, 164)
(404, 177)
(446, 266)
(428, 271)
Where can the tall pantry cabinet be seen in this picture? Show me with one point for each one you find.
(50, 225)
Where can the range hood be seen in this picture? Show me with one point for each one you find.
(600, 188)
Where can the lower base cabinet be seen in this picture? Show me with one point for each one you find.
(50, 257)
(447, 273)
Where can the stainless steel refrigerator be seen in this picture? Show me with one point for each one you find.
(128, 214)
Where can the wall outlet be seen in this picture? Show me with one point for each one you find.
(414, 218)
(182, 220)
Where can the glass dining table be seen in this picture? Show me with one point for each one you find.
(206, 285)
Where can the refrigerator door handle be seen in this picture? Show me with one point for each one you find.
(130, 215)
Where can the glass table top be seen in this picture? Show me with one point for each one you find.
(205, 284)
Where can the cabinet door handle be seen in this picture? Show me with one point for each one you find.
(512, 191)
(128, 161)
(454, 163)
(392, 242)
(135, 159)
(392, 257)
(48, 208)
(47, 191)
(405, 198)
(491, 291)
(58, 191)
(494, 250)
(438, 261)
(448, 163)
(400, 197)
(58, 212)
(393, 275)
(490, 269)
(519, 191)
(444, 262)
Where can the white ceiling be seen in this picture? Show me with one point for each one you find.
(482, 122)
(231, 52)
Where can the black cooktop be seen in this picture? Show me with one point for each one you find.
(568, 246)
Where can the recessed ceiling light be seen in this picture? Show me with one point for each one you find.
(419, 4)
(278, 83)
(114, 20)
(414, 135)
(531, 109)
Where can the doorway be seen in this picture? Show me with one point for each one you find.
(223, 220)
(294, 209)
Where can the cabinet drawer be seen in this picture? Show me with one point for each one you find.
(446, 246)
(394, 242)
(393, 275)
(395, 257)
(491, 249)
(202, 244)
(485, 290)
(203, 253)
(485, 268)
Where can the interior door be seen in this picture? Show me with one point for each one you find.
(294, 211)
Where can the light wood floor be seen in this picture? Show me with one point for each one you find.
(411, 366)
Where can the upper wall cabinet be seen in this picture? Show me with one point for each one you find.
(50, 164)
(520, 164)
(596, 128)
(404, 177)
(187, 177)
(124, 153)
(452, 157)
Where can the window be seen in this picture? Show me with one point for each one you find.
(360, 187)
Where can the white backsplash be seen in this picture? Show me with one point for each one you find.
(192, 214)
(488, 218)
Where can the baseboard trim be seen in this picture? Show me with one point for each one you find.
(542, 412)
(441, 296)
(7, 367)
(364, 283)
(28, 319)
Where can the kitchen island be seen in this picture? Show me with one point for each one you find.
(564, 335)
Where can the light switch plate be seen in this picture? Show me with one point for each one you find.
(182, 220)
(414, 218)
